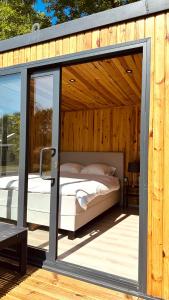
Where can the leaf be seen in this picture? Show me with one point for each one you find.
(17, 17)
(68, 10)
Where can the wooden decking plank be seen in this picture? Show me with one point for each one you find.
(8, 297)
(40, 284)
(95, 292)
(73, 286)
(52, 290)
(28, 294)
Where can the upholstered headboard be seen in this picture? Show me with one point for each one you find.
(115, 159)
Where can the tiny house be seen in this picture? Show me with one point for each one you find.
(84, 147)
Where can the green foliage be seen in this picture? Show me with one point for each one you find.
(78, 8)
(10, 125)
(18, 16)
(14, 127)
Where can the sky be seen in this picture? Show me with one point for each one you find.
(41, 7)
(10, 94)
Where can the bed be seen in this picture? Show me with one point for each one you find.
(75, 209)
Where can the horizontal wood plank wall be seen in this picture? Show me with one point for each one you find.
(156, 27)
(114, 129)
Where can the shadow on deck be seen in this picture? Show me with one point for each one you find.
(10, 278)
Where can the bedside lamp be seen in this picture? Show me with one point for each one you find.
(134, 167)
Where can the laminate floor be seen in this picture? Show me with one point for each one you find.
(109, 244)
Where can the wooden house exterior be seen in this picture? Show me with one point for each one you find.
(148, 20)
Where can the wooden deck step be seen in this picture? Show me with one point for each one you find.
(40, 284)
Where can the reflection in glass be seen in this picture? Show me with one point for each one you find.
(10, 98)
(40, 136)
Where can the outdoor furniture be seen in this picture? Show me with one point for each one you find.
(12, 235)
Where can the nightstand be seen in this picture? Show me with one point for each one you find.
(133, 196)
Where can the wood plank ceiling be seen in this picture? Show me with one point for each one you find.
(102, 84)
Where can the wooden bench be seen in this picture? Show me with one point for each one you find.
(12, 235)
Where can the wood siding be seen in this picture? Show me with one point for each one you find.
(115, 129)
(156, 27)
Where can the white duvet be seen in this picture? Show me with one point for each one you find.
(84, 187)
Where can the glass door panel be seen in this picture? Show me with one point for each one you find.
(40, 141)
(10, 99)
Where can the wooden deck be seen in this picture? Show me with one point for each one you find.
(39, 284)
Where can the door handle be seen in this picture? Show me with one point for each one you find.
(53, 152)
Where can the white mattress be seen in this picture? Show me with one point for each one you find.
(84, 187)
(69, 183)
(76, 196)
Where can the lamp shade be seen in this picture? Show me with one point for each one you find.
(134, 167)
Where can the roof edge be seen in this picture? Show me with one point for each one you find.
(108, 17)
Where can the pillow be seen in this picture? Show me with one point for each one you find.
(71, 168)
(99, 169)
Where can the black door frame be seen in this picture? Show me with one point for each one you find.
(48, 261)
(56, 75)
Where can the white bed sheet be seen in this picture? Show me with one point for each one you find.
(85, 187)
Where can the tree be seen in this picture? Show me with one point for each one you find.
(68, 10)
(18, 16)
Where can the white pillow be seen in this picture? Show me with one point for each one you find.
(71, 168)
(99, 169)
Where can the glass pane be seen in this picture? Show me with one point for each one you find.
(40, 136)
(95, 230)
(10, 98)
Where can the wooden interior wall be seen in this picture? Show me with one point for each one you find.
(156, 27)
(113, 129)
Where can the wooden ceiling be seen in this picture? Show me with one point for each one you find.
(102, 83)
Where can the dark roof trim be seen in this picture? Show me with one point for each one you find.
(108, 17)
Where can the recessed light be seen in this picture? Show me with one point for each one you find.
(128, 71)
(72, 80)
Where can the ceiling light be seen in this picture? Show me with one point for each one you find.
(129, 71)
(72, 80)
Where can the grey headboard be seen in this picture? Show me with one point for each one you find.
(115, 159)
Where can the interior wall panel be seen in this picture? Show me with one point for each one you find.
(114, 129)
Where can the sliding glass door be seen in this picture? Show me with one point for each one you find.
(29, 172)
(43, 107)
(10, 100)
(29, 180)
